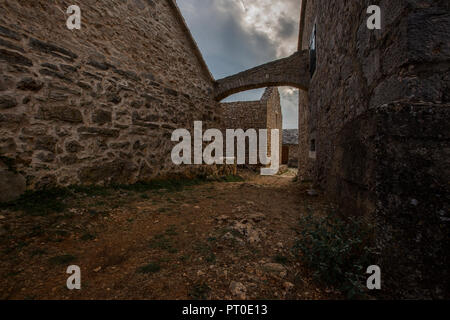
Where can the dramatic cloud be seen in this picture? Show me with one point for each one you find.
(235, 35)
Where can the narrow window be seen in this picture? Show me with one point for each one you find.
(312, 149)
(313, 145)
(312, 52)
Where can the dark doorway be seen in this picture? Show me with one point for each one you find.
(285, 155)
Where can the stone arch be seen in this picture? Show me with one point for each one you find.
(291, 71)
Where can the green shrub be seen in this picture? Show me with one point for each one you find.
(199, 291)
(62, 259)
(338, 251)
(149, 268)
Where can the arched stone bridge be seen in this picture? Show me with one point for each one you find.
(291, 71)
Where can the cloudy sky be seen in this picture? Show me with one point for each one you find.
(235, 35)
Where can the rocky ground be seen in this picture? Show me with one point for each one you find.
(217, 240)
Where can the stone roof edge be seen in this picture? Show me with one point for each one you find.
(240, 101)
(269, 92)
(185, 27)
(302, 25)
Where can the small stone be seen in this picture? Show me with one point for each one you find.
(7, 102)
(14, 58)
(414, 202)
(200, 273)
(288, 285)
(275, 268)
(97, 269)
(256, 217)
(101, 116)
(29, 84)
(223, 218)
(313, 193)
(238, 290)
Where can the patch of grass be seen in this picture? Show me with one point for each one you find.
(62, 259)
(162, 210)
(61, 233)
(184, 258)
(39, 203)
(232, 178)
(211, 258)
(338, 251)
(152, 267)
(199, 291)
(45, 202)
(205, 250)
(163, 242)
(280, 259)
(87, 236)
(171, 231)
(38, 252)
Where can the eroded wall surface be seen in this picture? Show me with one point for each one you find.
(97, 105)
(376, 108)
(262, 114)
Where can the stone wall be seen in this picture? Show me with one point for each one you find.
(97, 105)
(293, 156)
(244, 115)
(262, 114)
(397, 79)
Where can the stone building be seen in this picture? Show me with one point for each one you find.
(289, 154)
(373, 126)
(262, 114)
(96, 105)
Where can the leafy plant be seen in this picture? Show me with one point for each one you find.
(150, 268)
(62, 259)
(337, 250)
(199, 291)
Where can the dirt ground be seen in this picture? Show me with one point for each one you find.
(218, 240)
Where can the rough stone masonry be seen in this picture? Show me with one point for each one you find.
(96, 105)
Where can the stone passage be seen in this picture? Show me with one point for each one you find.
(291, 71)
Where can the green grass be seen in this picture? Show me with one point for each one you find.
(338, 251)
(232, 178)
(38, 252)
(49, 201)
(87, 236)
(199, 291)
(211, 258)
(62, 259)
(152, 267)
(163, 242)
(39, 203)
(280, 259)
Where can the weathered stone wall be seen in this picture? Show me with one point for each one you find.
(262, 114)
(293, 156)
(97, 105)
(376, 167)
(244, 115)
(271, 98)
